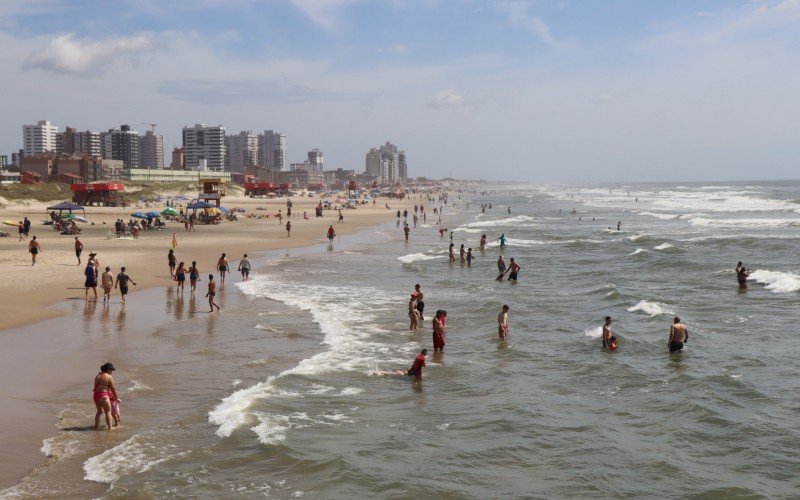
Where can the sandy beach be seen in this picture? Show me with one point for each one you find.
(39, 299)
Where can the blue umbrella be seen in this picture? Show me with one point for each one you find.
(199, 204)
(138, 215)
(223, 209)
(152, 215)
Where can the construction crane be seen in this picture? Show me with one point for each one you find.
(152, 126)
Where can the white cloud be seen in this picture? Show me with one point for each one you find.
(520, 17)
(398, 48)
(322, 12)
(449, 99)
(83, 57)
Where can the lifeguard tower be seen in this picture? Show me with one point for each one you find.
(102, 194)
(213, 191)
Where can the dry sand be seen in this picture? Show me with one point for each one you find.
(28, 291)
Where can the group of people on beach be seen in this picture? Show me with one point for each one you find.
(106, 279)
(178, 272)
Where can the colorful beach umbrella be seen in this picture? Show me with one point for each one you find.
(10, 223)
(169, 211)
(138, 215)
(152, 215)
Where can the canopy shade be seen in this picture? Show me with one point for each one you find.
(199, 204)
(65, 205)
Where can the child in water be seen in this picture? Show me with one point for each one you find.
(612, 343)
(115, 411)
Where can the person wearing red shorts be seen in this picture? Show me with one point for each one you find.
(439, 331)
(419, 363)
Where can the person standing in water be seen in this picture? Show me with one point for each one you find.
(452, 253)
(509, 210)
(503, 240)
(502, 323)
(483, 243)
(607, 332)
(413, 315)
(102, 393)
(619, 225)
(419, 364)
(194, 275)
(107, 283)
(513, 269)
(463, 253)
(438, 331)
(678, 335)
(741, 276)
(469, 257)
(420, 300)
(212, 292)
(406, 230)
(244, 268)
(501, 266)
(331, 233)
(222, 267)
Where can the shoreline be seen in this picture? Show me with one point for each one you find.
(32, 415)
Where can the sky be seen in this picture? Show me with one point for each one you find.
(540, 91)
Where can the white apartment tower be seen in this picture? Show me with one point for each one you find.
(387, 163)
(316, 159)
(272, 150)
(204, 142)
(152, 150)
(373, 162)
(241, 151)
(39, 138)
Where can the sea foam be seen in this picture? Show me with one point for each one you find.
(416, 257)
(777, 281)
(651, 308)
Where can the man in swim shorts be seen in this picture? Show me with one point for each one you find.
(741, 277)
(513, 269)
(678, 335)
(420, 301)
(438, 331)
(78, 249)
(416, 368)
(122, 283)
(607, 332)
(502, 323)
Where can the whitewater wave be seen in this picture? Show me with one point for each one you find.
(651, 308)
(659, 215)
(135, 455)
(594, 332)
(637, 251)
(663, 246)
(510, 221)
(777, 281)
(416, 257)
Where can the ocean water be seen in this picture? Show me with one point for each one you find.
(277, 395)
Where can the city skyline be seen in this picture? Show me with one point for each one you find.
(538, 91)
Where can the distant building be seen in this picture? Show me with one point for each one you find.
(403, 167)
(302, 178)
(122, 144)
(387, 163)
(178, 159)
(272, 151)
(3, 161)
(373, 162)
(315, 159)
(241, 151)
(306, 166)
(39, 138)
(152, 150)
(204, 142)
(72, 142)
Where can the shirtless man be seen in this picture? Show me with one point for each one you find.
(34, 249)
(483, 243)
(212, 291)
(413, 315)
(78, 249)
(607, 332)
(513, 269)
(406, 230)
(420, 300)
(463, 253)
(416, 368)
(452, 253)
(104, 390)
(678, 335)
(438, 332)
(741, 275)
(122, 283)
(502, 323)
(107, 282)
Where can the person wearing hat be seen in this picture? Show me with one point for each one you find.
(104, 390)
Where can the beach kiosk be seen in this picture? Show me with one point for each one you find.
(213, 191)
(102, 194)
(261, 189)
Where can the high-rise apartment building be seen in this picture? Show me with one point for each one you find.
(122, 144)
(373, 162)
(178, 160)
(402, 166)
(241, 151)
(152, 150)
(204, 142)
(72, 142)
(388, 163)
(315, 159)
(272, 150)
(39, 138)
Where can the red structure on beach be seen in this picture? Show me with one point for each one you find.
(97, 193)
(258, 189)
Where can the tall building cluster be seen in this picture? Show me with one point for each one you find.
(203, 147)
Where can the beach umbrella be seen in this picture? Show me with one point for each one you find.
(152, 215)
(169, 211)
(223, 209)
(213, 210)
(68, 216)
(199, 204)
(138, 215)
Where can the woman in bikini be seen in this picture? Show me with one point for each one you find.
(194, 274)
(222, 267)
(180, 275)
(104, 390)
(172, 261)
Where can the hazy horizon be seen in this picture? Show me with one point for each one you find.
(560, 91)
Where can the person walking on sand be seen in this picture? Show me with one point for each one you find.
(26, 226)
(607, 332)
(438, 331)
(173, 262)
(678, 336)
(331, 233)
(180, 275)
(122, 283)
(90, 273)
(194, 275)
(21, 230)
(212, 291)
(104, 389)
(78, 249)
(406, 230)
(341, 217)
(244, 268)
(288, 229)
(413, 315)
(502, 323)
(107, 282)
(35, 249)
(222, 267)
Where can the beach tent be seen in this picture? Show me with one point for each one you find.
(199, 205)
(66, 206)
(169, 211)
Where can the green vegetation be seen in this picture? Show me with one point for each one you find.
(53, 191)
